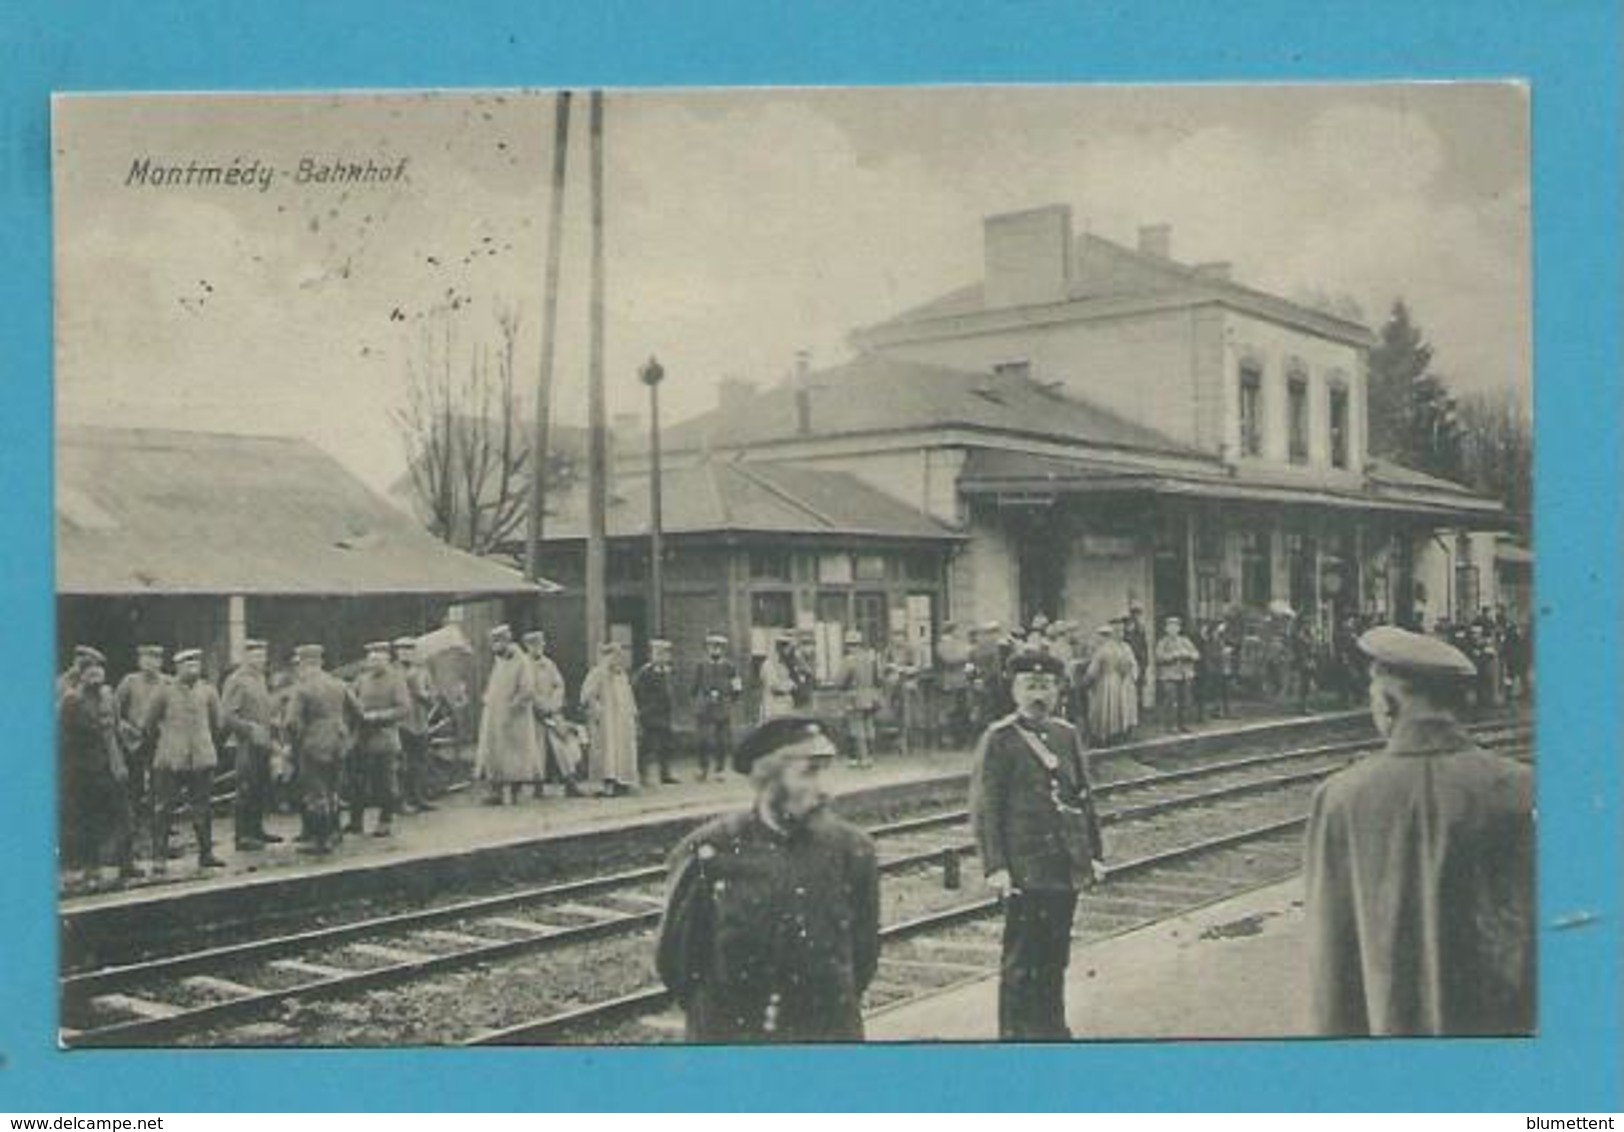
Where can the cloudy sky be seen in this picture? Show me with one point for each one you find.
(742, 226)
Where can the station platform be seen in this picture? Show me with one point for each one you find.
(1233, 969)
(462, 825)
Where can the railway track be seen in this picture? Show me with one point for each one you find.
(209, 990)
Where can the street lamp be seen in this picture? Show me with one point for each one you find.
(651, 375)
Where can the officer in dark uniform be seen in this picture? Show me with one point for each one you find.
(771, 930)
(653, 689)
(1039, 841)
(717, 685)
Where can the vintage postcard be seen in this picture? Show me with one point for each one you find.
(1027, 563)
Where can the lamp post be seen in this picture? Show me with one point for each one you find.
(651, 375)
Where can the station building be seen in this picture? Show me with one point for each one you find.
(1093, 425)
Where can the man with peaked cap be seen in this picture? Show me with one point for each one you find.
(859, 678)
(771, 926)
(1039, 840)
(186, 717)
(131, 699)
(716, 686)
(1419, 865)
(94, 801)
(509, 754)
(611, 713)
(321, 715)
(549, 710)
(654, 689)
(385, 701)
(1136, 635)
(414, 728)
(1176, 660)
(250, 722)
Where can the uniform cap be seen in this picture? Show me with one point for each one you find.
(85, 654)
(502, 633)
(149, 650)
(405, 642)
(309, 652)
(774, 735)
(253, 644)
(1404, 651)
(854, 637)
(716, 638)
(185, 655)
(659, 643)
(1041, 662)
(535, 635)
(377, 646)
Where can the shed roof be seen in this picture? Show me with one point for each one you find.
(160, 511)
(718, 495)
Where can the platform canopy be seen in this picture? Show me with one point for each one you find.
(169, 512)
(1385, 487)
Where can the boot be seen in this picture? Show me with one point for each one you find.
(267, 838)
(205, 848)
(356, 814)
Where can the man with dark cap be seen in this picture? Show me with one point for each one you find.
(95, 806)
(84, 656)
(1039, 840)
(414, 728)
(185, 715)
(717, 685)
(321, 714)
(1419, 865)
(548, 708)
(385, 701)
(250, 721)
(131, 699)
(771, 930)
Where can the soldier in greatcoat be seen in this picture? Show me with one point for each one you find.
(84, 656)
(131, 699)
(250, 721)
(185, 716)
(549, 712)
(1420, 865)
(771, 926)
(611, 713)
(322, 713)
(414, 728)
(509, 753)
(859, 679)
(716, 686)
(1039, 840)
(385, 701)
(95, 805)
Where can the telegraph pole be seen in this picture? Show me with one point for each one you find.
(549, 334)
(597, 613)
(651, 375)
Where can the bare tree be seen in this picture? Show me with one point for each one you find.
(464, 439)
(1499, 451)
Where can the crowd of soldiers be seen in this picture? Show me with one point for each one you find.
(152, 745)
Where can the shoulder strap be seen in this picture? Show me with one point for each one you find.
(1045, 756)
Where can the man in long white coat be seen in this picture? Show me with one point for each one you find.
(611, 712)
(509, 753)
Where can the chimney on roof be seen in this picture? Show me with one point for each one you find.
(1156, 240)
(803, 392)
(1027, 257)
(1221, 270)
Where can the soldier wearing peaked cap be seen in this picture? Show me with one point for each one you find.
(1039, 840)
(385, 702)
(186, 717)
(716, 685)
(1419, 865)
(84, 656)
(771, 927)
(414, 729)
(132, 698)
(250, 720)
(654, 688)
(320, 719)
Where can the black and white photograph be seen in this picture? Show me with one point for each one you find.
(794, 565)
